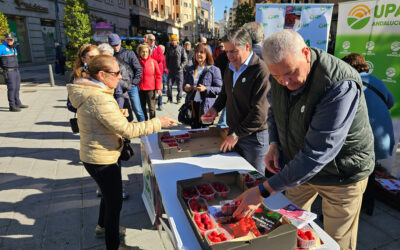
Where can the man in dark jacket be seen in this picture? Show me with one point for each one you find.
(129, 57)
(256, 31)
(176, 61)
(318, 122)
(244, 94)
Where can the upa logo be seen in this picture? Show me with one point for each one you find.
(390, 72)
(395, 46)
(346, 45)
(358, 16)
(370, 67)
(370, 45)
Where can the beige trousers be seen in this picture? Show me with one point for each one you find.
(340, 206)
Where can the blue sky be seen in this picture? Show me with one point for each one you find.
(219, 7)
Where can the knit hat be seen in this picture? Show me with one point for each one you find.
(173, 37)
(114, 39)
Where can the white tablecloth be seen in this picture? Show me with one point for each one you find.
(168, 172)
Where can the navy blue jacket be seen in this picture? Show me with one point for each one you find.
(8, 56)
(212, 81)
(129, 57)
(379, 116)
(257, 49)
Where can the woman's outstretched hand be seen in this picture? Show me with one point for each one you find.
(167, 122)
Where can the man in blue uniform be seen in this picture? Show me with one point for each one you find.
(9, 66)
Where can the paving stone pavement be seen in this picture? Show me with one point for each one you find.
(48, 201)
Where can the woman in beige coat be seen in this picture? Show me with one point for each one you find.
(102, 128)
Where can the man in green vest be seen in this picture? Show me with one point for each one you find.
(321, 142)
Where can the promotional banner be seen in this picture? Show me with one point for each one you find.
(372, 28)
(312, 21)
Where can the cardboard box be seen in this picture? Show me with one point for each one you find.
(201, 142)
(283, 237)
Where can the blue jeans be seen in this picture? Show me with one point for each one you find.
(254, 148)
(222, 119)
(135, 102)
(164, 89)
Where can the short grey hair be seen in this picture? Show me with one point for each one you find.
(239, 37)
(151, 36)
(162, 47)
(281, 43)
(203, 39)
(106, 47)
(256, 31)
(187, 42)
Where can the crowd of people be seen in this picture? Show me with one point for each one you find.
(310, 122)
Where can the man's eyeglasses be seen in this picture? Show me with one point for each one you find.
(116, 73)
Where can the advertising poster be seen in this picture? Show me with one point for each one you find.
(148, 184)
(312, 21)
(372, 28)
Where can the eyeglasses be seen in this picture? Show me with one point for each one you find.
(115, 74)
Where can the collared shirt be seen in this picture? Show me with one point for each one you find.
(99, 83)
(243, 67)
(325, 137)
(153, 48)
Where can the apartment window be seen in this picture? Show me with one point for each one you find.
(162, 7)
(121, 3)
(186, 28)
(185, 5)
(177, 2)
(109, 2)
(202, 12)
(177, 15)
(167, 12)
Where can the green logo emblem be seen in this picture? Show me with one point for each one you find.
(370, 45)
(370, 67)
(358, 16)
(395, 46)
(390, 72)
(346, 45)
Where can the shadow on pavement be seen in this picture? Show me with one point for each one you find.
(62, 124)
(41, 135)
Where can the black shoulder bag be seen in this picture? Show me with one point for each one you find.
(127, 151)
(186, 111)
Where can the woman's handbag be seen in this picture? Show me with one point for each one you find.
(74, 124)
(186, 111)
(127, 151)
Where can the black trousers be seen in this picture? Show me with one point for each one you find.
(13, 81)
(148, 98)
(175, 78)
(109, 179)
(197, 117)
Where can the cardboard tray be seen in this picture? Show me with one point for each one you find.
(202, 143)
(284, 237)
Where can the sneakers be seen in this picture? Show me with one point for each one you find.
(101, 232)
(15, 109)
(160, 108)
(22, 106)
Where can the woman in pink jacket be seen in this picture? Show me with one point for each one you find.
(150, 83)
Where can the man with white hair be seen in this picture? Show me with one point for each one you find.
(203, 39)
(256, 31)
(318, 123)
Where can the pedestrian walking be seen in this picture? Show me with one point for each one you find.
(150, 83)
(60, 59)
(129, 57)
(176, 61)
(203, 83)
(164, 71)
(103, 128)
(189, 54)
(9, 66)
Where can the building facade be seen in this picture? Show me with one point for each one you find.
(34, 23)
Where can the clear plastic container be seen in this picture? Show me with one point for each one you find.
(202, 205)
(249, 180)
(219, 231)
(302, 243)
(217, 186)
(206, 191)
(206, 120)
(190, 192)
(200, 222)
(228, 207)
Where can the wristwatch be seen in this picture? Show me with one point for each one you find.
(234, 135)
(264, 193)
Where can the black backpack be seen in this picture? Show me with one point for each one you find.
(186, 111)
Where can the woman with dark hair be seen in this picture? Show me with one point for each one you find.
(379, 101)
(85, 53)
(102, 129)
(203, 83)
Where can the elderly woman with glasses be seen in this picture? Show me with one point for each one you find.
(150, 84)
(102, 129)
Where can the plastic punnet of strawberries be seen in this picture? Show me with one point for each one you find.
(216, 237)
(221, 189)
(242, 228)
(305, 238)
(203, 222)
(206, 191)
(189, 193)
(198, 205)
(229, 207)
